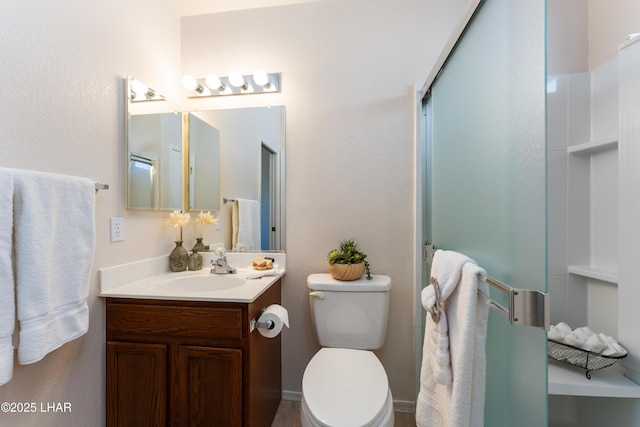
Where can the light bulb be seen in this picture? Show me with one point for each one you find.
(214, 82)
(261, 78)
(236, 79)
(190, 83)
(138, 88)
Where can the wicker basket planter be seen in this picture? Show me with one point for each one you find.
(346, 271)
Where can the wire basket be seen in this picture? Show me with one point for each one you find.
(581, 358)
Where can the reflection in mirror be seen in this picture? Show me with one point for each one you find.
(204, 165)
(142, 181)
(252, 149)
(155, 161)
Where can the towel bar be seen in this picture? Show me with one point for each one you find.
(527, 307)
(225, 200)
(101, 186)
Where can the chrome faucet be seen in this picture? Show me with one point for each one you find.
(219, 263)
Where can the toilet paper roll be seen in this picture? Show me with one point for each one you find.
(278, 315)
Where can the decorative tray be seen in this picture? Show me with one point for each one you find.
(581, 358)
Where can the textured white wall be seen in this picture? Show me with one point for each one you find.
(348, 70)
(585, 35)
(568, 46)
(62, 103)
(610, 22)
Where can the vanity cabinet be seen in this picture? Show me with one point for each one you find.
(191, 363)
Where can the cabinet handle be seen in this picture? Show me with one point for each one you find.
(317, 294)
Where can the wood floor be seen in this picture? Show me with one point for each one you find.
(288, 415)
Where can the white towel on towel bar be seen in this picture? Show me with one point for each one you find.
(7, 287)
(246, 225)
(54, 245)
(452, 378)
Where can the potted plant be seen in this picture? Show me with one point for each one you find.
(348, 262)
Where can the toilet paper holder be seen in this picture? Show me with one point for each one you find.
(269, 324)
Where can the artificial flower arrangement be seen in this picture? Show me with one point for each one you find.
(178, 220)
(348, 262)
(204, 219)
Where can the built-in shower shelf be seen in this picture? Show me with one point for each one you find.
(609, 382)
(594, 146)
(594, 273)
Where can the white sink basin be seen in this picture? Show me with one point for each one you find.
(202, 282)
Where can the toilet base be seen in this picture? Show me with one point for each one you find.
(387, 419)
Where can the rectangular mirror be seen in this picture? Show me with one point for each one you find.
(155, 161)
(252, 152)
(194, 161)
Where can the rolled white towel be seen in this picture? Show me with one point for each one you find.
(563, 329)
(554, 334)
(575, 338)
(594, 344)
(584, 330)
(612, 347)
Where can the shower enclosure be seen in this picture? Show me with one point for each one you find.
(484, 163)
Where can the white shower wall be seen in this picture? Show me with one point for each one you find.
(583, 214)
(584, 198)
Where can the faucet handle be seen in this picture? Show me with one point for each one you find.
(220, 253)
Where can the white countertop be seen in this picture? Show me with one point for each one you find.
(150, 279)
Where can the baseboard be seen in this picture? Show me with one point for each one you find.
(295, 396)
(404, 406)
(398, 405)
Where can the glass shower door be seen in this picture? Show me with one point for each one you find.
(486, 185)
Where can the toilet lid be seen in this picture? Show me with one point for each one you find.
(345, 387)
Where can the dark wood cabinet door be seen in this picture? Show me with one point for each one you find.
(208, 387)
(136, 384)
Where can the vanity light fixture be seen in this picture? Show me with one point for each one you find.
(138, 92)
(235, 84)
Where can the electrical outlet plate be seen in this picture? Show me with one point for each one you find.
(117, 229)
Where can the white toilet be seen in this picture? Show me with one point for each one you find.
(344, 384)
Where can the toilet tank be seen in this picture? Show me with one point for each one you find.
(349, 314)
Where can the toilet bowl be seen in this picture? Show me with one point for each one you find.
(344, 384)
(345, 388)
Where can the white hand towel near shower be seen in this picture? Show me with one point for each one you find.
(452, 378)
(246, 224)
(7, 286)
(54, 245)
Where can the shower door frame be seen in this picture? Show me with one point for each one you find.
(422, 201)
